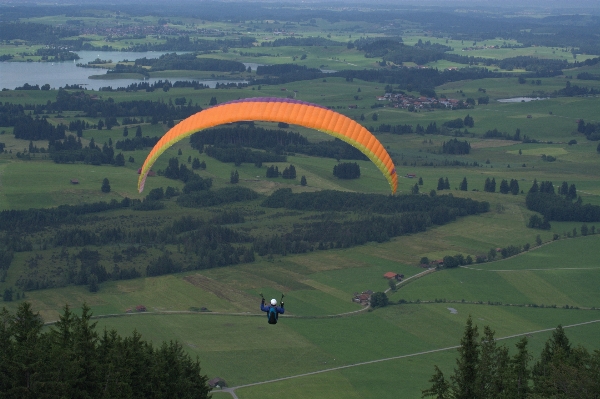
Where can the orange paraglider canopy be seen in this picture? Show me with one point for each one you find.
(278, 110)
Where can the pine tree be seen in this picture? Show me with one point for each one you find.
(520, 371)
(514, 187)
(534, 188)
(564, 188)
(487, 368)
(465, 373)
(415, 189)
(303, 180)
(138, 131)
(504, 187)
(440, 185)
(120, 159)
(486, 186)
(440, 389)
(446, 184)
(235, 177)
(463, 184)
(572, 194)
(125, 131)
(105, 186)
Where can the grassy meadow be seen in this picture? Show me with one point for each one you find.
(322, 328)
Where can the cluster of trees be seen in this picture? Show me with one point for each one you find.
(408, 215)
(587, 76)
(496, 134)
(92, 107)
(459, 123)
(443, 208)
(136, 143)
(575, 90)
(238, 155)
(71, 151)
(590, 129)
(272, 171)
(301, 42)
(540, 67)
(189, 61)
(505, 186)
(271, 140)
(207, 239)
(443, 184)
(542, 198)
(28, 128)
(285, 69)
(289, 172)
(71, 359)
(456, 147)
(346, 170)
(183, 43)
(485, 369)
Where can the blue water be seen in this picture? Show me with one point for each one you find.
(59, 74)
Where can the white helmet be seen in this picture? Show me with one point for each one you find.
(274, 302)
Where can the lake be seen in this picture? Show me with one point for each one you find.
(520, 99)
(59, 74)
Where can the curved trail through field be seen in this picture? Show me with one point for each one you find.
(232, 390)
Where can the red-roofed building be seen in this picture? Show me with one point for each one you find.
(394, 276)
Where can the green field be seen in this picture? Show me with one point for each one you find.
(326, 345)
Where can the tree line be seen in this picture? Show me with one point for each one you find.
(71, 359)
(275, 141)
(561, 206)
(190, 61)
(485, 369)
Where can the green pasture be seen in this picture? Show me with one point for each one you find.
(561, 273)
(498, 53)
(243, 349)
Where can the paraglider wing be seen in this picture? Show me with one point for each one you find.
(278, 110)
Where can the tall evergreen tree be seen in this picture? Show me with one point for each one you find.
(564, 188)
(440, 185)
(105, 186)
(486, 185)
(514, 187)
(440, 389)
(572, 194)
(465, 374)
(235, 177)
(504, 187)
(463, 184)
(446, 184)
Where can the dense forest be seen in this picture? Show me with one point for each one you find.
(72, 359)
(277, 142)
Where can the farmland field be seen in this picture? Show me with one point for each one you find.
(199, 269)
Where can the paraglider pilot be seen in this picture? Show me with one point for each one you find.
(272, 310)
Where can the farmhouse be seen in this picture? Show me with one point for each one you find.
(362, 298)
(217, 382)
(393, 276)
